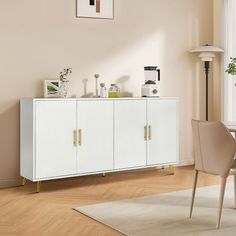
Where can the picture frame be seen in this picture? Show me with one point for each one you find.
(51, 88)
(99, 9)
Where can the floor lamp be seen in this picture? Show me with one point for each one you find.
(207, 53)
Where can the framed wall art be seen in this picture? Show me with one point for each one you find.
(103, 9)
(51, 88)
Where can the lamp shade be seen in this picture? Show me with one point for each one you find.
(207, 48)
(207, 52)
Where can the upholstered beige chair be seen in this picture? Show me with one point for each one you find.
(214, 149)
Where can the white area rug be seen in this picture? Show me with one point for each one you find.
(167, 214)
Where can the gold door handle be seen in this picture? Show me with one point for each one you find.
(145, 133)
(149, 132)
(74, 137)
(80, 137)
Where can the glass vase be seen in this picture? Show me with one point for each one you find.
(63, 90)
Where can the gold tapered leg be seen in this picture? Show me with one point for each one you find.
(172, 169)
(38, 187)
(23, 181)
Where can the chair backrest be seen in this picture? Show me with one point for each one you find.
(214, 147)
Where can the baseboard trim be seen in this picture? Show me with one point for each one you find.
(6, 183)
(186, 162)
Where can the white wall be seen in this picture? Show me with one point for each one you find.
(40, 38)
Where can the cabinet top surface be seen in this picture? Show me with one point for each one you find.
(99, 99)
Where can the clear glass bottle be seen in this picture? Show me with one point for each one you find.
(114, 91)
(103, 91)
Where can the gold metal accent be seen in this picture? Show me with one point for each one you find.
(145, 133)
(75, 137)
(172, 169)
(23, 181)
(149, 132)
(80, 137)
(38, 187)
(163, 167)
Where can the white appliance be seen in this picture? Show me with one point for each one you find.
(151, 88)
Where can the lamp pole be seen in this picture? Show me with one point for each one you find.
(207, 66)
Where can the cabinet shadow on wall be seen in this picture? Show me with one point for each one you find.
(92, 180)
(10, 143)
(121, 82)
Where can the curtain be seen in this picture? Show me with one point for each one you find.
(229, 82)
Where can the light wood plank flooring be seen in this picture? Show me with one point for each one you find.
(23, 212)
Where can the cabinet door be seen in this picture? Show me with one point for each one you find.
(95, 136)
(55, 152)
(129, 142)
(163, 122)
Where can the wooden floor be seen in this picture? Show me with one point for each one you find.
(24, 212)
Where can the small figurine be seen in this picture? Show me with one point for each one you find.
(96, 84)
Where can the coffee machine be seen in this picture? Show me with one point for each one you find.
(152, 82)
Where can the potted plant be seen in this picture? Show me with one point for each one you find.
(231, 69)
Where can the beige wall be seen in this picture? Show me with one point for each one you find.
(40, 38)
(218, 69)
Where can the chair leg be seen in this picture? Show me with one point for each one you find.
(222, 193)
(234, 191)
(193, 193)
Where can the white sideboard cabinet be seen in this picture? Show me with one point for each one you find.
(62, 138)
(55, 122)
(129, 142)
(95, 136)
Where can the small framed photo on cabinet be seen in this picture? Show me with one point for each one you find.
(103, 9)
(51, 88)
